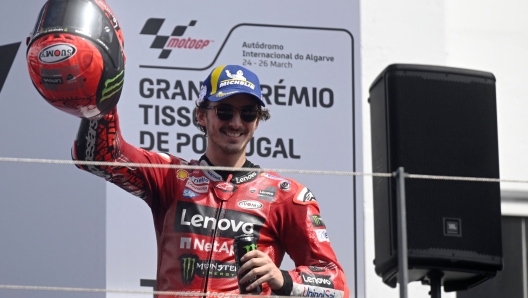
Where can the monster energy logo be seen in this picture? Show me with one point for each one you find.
(188, 264)
(112, 86)
(317, 221)
(191, 266)
(250, 247)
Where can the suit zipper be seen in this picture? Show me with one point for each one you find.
(220, 211)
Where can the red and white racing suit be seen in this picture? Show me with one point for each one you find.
(197, 214)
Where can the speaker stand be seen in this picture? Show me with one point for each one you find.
(403, 267)
(435, 280)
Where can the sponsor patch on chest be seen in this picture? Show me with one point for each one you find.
(199, 188)
(189, 194)
(250, 204)
(256, 191)
(244, 178)
(202, 220)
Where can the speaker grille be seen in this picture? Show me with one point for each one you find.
(445, 127)
(437, 121)
(441, 126)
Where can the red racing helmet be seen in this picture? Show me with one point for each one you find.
(76, 58)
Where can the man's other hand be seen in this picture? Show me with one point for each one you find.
(263, 268)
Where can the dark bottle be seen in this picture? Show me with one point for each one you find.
(244, 244)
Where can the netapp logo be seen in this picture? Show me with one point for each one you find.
(200, 220)
(197, 244)
(174, 41)
(57, 53)
(317, 280)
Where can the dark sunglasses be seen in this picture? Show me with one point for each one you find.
(226, 112)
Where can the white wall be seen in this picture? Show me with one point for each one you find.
(485, 35)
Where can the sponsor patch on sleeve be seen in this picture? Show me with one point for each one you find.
(304, 290)
(322, 235)
(305, 197)
(317, 280)
(317, 221)
(316, 269)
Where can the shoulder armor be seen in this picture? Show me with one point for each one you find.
(304, 197)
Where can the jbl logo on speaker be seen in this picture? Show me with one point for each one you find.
(452, 227)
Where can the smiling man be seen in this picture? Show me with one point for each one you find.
(197, 214)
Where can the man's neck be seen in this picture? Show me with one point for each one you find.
(227, 173)
(223, 160)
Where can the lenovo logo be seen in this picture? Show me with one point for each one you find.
(198, 219)
(317, 280)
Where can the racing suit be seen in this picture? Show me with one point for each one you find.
(197, 213)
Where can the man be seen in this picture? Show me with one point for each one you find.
(198, 213)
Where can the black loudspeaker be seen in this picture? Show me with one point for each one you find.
(436, 120)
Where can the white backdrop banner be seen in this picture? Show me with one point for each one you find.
(307, 64)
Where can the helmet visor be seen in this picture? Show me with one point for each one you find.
(79, 17)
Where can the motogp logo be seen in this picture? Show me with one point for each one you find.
(57, 53)
(174, 41)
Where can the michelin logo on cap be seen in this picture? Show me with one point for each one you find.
(227, 80)
(237, 78)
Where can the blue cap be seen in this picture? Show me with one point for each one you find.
(227, 80)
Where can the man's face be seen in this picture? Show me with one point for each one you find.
(230, 136)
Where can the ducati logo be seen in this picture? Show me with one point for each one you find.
(57, 53)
